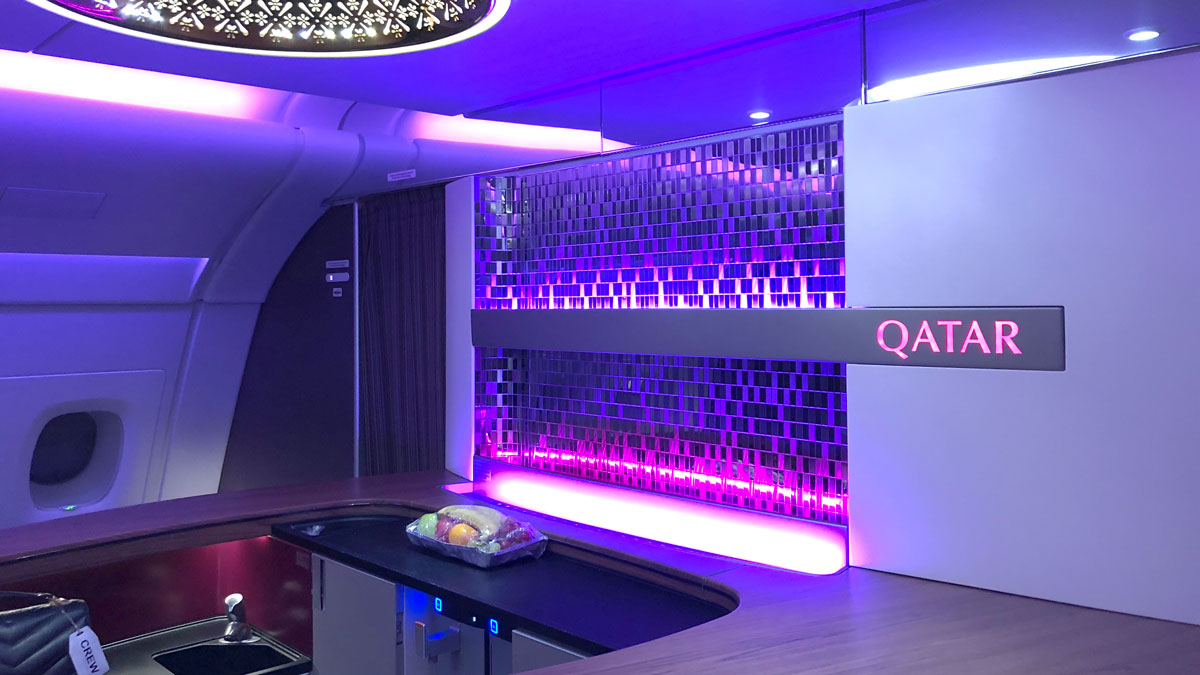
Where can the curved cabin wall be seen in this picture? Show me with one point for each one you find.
(136, 248)
(120, 333)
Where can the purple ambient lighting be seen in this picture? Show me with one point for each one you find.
(752, 222)
(748, 221)
(459, 129)
(796, 545)
(40, 74)
(971, 76)
(762, 435)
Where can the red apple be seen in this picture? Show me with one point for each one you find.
(443, 528)
(508, 526)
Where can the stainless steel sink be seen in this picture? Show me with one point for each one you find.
(223, 658)
(197, 649)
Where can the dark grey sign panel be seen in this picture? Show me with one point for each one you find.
(1013, 338)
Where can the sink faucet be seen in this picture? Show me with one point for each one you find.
(235, 610)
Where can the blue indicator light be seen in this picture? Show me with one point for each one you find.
(437, 605)
(494, 626)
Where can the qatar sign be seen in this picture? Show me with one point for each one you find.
(1006, 332)
(1018, 338)
(1010, 338)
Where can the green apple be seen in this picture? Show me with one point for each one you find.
(427, 525)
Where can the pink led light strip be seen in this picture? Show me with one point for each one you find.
(725, 485)
(797, 545)
(41, 74)
(461, 129)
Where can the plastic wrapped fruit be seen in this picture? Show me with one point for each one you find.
(427, 525)
(486, 521)
(479, 535)
(444, 525)
(514, 537)
(462, 534)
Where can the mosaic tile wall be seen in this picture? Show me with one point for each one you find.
(766, 435)
(754, 222)
(751, 222)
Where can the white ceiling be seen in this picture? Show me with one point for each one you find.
(540, 46)
(643, 71)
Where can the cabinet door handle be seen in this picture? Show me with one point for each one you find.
(433, 645)
(321, 590)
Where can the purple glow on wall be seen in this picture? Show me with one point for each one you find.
(36, 73)
(763, 435)
(753, 222)
(791, 544)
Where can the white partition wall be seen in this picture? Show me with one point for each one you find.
(1077, 190)
(460, 298)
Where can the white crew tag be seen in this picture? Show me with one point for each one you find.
(86, 653)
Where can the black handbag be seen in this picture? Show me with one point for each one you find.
(35, 639)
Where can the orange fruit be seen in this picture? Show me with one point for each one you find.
(462, 534)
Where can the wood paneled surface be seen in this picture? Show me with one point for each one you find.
(856, 622)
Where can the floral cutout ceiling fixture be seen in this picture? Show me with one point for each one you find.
(292, 27)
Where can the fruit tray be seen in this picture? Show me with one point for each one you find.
(534, 548)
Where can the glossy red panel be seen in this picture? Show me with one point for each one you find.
(276, 579)
(139, 596)
(146, 594)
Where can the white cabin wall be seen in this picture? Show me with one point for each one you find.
(198, 428)
(58, 359)
(137, 245)
(94, 317)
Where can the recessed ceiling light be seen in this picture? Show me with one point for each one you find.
(760, 115)
(1142, 34)
(278, 28)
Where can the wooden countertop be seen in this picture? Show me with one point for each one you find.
(858, 621)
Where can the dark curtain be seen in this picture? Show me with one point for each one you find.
(402, 258)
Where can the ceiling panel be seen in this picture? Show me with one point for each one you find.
(539, 47)
(23, 26)
(816, 72)
(805, 74)
(944, 34)
(661, 69)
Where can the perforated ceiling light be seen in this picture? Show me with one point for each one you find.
(313, 28)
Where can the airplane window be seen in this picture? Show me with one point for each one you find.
(64, 449)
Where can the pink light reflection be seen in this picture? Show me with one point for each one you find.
(461, 129)
(797, 545)
(91, 9)
(41, 74)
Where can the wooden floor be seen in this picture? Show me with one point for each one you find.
(855, 622)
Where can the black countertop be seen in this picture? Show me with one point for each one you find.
(589, 608)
